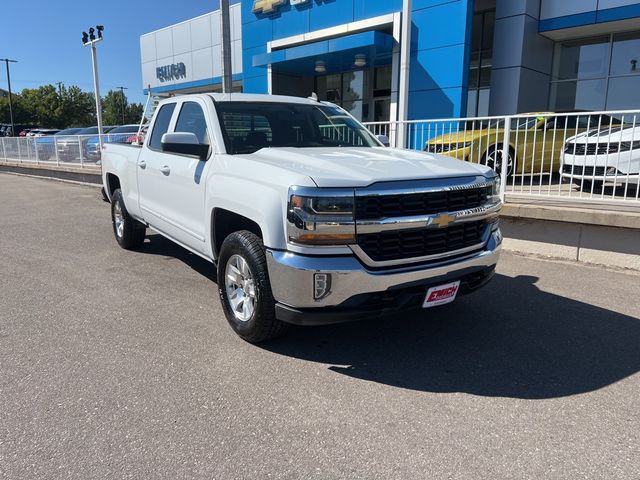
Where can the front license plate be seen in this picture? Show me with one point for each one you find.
(441, 295)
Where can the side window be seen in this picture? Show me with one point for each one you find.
(247, 132)
(161, 125)
(191, 119)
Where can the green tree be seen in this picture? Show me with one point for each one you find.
(77, 108)
(116, 109)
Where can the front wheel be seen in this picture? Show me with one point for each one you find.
(493, 159)
(245, 290)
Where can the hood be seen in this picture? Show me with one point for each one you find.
(606, 135)
(360, 167)
(462, 136)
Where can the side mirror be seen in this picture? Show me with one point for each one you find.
(383, 139)
(184, 143)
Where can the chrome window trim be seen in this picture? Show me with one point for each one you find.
(487, 211)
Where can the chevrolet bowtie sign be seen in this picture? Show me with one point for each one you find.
(269, 6)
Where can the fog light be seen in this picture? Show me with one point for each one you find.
(321, 285)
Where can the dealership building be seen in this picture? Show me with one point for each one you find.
(412, 59)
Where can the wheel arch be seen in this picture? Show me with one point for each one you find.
(224, 222)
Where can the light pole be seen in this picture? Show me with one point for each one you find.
(7, 61)
(90, 40)
(226, 47)
(122, 89)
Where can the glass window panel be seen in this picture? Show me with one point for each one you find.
(354, 108)
(476, 32)
(483, 102)
(581, 59)
(191, 119)
(488, 30)
(353, 86)
(590, 94)
(382, 81)
(485, 77)
(334, 88)
(161, 125)
(382, 109)
(625, 56)
(623, 93)
(472, 101)
(473, 69)
(563, 96)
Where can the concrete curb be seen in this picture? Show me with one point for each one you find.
(87, 175)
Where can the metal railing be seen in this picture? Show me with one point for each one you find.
(78, 150)
(588, 157)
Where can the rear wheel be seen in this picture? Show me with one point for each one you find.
(128, 231)
(245, 290)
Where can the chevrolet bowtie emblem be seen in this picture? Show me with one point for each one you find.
(442, 220)
(266, 6)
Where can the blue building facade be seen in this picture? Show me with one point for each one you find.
(413, 59)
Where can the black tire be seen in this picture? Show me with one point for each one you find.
(262, 323)
(131, 237)
(491, 152)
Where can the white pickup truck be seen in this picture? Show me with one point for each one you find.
(308, 218)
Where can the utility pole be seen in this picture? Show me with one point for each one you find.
(122, 89)
(225, 24)
(90, 40)
(6, 62)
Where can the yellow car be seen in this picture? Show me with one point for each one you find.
(536, 140)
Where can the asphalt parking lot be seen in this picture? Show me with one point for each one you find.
(117, 364)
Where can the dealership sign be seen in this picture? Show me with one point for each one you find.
(269, 6)
(171, 72)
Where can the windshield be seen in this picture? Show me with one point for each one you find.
(125, 129)
(69, 131)
(248, 127)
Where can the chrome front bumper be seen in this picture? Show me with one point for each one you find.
(292, 274)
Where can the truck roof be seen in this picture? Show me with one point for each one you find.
(257, 97)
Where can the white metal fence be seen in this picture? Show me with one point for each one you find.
(78, 150)
(584, 156)
(590, 157)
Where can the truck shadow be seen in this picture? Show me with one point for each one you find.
(508, 340)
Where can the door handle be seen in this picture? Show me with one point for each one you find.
(165, 169)
(142, 164)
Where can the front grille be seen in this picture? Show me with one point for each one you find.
(441, 147)
(591, 148)
(588, 171)
(384, 206)
(386, 246)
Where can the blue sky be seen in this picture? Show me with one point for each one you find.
(45, 37)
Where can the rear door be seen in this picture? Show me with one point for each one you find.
(172, 186)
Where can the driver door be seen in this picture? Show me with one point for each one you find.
(172, 185)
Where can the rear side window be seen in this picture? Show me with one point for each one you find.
(161, 125)
(191, 119)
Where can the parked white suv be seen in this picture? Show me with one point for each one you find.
(307, 216)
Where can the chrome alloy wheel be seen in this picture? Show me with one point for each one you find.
(494, 161)
(240, 288)
(118, 219)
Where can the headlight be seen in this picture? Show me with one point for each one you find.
(495, 190)
(320, 217)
